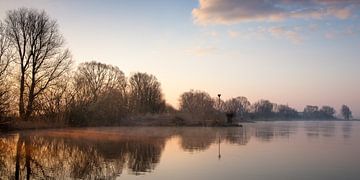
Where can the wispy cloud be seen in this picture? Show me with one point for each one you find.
(233, 34)
(346, 31)
(236, 11)
(289, 34)
(202, 51)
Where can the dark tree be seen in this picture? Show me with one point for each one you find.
(99, 94)
(5, 59)
(346, 112)
(145, 94)
(327, 112)
(198, 104)
(286, 112)
(263, 109)
(238, 106)
(40, 54)
(311, 112)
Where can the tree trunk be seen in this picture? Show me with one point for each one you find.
(21, 98)
(18, 157)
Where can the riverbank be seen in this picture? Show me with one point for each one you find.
(159, 120)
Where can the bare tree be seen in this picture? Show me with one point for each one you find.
(327, 112)
(263, 108)
(237, 106)
(5, 59)
(346, 112)
(5, 53)
(197, 103)
(286, 112)
(53, 103)
(40, 54)
(99, 92)
(145, 94)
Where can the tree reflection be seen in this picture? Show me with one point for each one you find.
(316, 129)
(346, 129)
(268, 131)
(102, 153)
(40, 156)
(196, 139)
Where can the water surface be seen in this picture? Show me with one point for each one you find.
(264, 150)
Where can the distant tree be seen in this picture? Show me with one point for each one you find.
(40, 54)
(145, 94)
(346, 112)
(263, 109)
(94, 79)
(238, 106)
(327, 112)
(99, 94)
(197, 103)
(286, 112)
(311, 112)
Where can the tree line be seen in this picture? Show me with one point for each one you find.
(202, 104)
(38, 82)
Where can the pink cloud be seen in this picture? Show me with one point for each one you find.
(236, 11)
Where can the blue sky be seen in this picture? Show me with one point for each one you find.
(287, 51)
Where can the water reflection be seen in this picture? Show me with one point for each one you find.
(104, 153)
(346, 129)
(315, 129)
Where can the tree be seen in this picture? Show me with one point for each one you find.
(40, 54)
(238, 106)
(263, 108)
(53, 104)
(346, 112)
(99, 94)
(145, 94)
(5, 52)
(197, 103)
(311, 112)
(5, 59)
(327, 112)
(286, 112)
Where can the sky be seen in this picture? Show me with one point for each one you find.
(287, 51)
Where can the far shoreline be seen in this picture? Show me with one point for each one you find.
(234, 125)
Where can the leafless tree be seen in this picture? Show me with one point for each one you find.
(93, 79)
(40, 54)
(263, 108)
(197, 103)
(238, 106)
(99, 90)
(5, 59)
(53, 104)
(145, 94)
(346, 112)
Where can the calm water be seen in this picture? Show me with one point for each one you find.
(265, 150)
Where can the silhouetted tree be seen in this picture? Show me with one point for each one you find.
(197, 103)
(311, 112)
(346, 112)
(238, 106)
(5, 59)
(327, 112)
(263, 109)
(40, 54)
(286, 112)
(145, 94)
(99, 94)
(53, 104)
